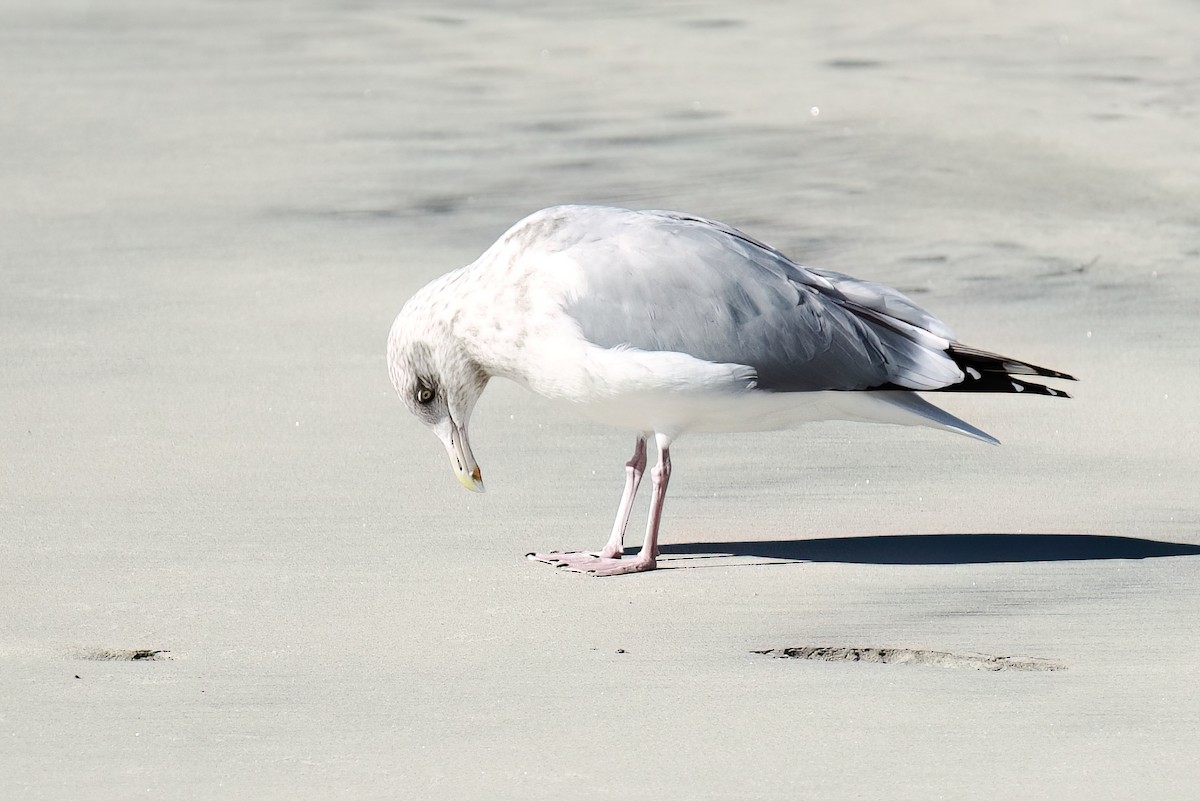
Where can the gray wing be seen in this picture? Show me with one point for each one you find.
(661, 281)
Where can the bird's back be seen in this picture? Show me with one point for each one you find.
(662, 281)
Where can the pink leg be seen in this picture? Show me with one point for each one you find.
(603, 565)
(634, 469)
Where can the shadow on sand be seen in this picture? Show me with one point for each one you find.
(936, 549)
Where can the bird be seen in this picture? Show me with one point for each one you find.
(663, 324)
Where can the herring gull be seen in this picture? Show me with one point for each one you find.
(663, 324)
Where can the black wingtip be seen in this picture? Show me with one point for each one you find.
(991, 372)
(999, 382)
(985, 362)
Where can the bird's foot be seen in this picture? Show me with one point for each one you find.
(594, 563)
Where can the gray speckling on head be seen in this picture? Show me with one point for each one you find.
(539, 230)
(424, 350)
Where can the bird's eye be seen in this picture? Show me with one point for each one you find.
(424, 395)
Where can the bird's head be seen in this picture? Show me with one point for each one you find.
(439, 382)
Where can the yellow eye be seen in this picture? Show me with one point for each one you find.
(424, 395)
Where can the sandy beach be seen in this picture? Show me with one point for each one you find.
(232, 566)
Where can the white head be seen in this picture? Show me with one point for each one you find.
(438, 381)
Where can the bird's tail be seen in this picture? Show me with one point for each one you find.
(905, 408)
(922, 412)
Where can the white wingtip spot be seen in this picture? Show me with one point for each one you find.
(971, 371)
(1017, 387)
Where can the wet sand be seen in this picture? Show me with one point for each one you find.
(233, 566)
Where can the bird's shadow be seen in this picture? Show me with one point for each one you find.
(929, 549)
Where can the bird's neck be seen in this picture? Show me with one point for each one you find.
(466, 309)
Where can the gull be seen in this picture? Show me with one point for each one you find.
(665, 324)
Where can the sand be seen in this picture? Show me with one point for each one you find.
(231, 566)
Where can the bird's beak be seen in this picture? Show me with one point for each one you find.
(466, 469)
